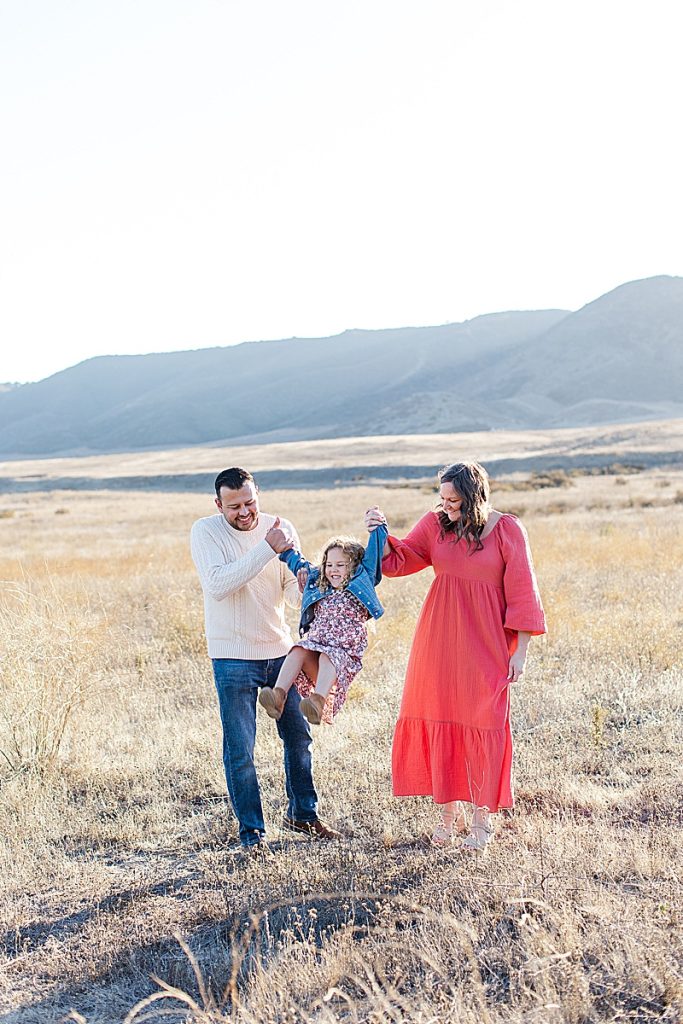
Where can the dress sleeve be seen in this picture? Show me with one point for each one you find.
(523, 608)
(412, 554)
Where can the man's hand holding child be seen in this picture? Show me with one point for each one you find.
(280, 540)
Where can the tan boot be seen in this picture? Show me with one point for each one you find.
(312, 708)
(273, 701)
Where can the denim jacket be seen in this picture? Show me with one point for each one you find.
(362, 584)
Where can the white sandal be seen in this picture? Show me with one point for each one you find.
(441, 837)
(478, 839)
(444, 835)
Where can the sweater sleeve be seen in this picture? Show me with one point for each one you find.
(523, 608)
(412, 554)
(220, 578)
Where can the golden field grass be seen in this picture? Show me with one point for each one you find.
(119, 878)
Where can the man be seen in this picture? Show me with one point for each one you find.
(245, 586)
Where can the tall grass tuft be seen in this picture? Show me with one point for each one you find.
(49, 668)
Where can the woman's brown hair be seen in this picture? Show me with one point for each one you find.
(471, 481)
(353, 551)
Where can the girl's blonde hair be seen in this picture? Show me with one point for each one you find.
(353, 551)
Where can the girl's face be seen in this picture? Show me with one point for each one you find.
(451, 501)
(337, 566)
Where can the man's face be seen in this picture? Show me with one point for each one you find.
(239, 508)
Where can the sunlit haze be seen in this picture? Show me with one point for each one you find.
(199, 173)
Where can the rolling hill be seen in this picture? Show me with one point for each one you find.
(618, 358)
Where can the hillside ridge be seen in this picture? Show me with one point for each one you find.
(618, 358)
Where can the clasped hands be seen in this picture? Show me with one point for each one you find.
(374, 517)
(280, 540)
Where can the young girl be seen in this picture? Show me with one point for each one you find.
(338, 599)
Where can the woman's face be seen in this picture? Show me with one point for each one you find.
(451, 501)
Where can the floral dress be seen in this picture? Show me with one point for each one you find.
(339, 630)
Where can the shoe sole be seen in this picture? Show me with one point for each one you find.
(310, 712)
(478, 846)
(267, 702)
(258, 851)
(309, 834)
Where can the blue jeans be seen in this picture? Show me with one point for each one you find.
(237, 682)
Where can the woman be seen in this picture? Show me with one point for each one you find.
(452, 738)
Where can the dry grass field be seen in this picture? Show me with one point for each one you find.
(354, 460)
(122, 893)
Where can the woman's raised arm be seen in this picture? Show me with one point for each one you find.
(414, 552)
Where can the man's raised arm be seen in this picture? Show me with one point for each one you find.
(220, 578)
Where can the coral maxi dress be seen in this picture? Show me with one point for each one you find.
(452, 738)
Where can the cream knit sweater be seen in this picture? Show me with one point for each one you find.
(245, 587)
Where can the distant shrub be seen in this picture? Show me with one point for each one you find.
(501, 486)
(622, 468)
(400, 522)
(556, 508)
(517, 510)
(612, 469)
(536, 481)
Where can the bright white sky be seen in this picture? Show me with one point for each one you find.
(188, 173)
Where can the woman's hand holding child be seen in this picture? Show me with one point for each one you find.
(374, 517)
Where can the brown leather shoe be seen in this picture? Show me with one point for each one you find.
(315, 829)
(312, 708)
(273, 701)
(258, 851)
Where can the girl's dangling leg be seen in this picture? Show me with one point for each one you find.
(312, 706)
(273, 699)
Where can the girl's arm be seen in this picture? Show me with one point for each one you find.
(374, 517)
(372, 559)
(294, 561)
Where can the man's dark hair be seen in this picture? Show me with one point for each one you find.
(233, 479)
